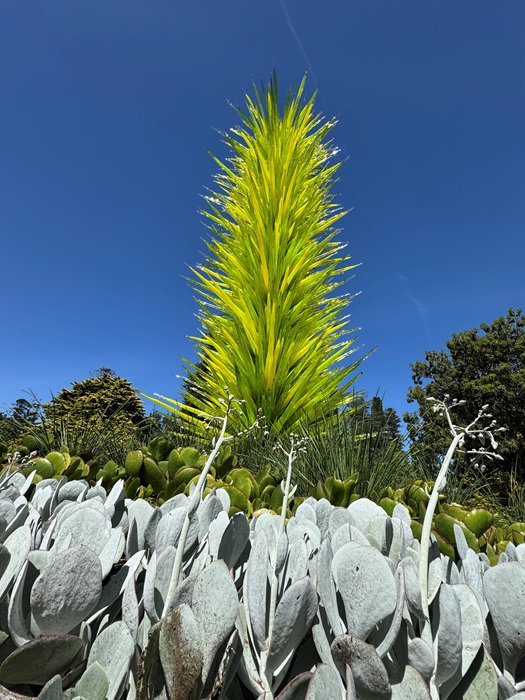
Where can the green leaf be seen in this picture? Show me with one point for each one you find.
(479, 521)
(133, 462)
(191, 456)
(154, 476)
(58, 462)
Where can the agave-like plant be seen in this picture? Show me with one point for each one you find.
(272, 331)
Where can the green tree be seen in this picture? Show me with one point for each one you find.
(384, 420)
(271, 327)
(102, 399)
(485, 365)
(14, 423)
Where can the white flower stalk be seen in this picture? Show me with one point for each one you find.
(196, 496)
(476, 430)
(295, 449)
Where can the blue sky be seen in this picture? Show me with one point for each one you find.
(107, 109)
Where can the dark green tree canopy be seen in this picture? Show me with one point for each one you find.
(485, 365)
(15, 421)
(103, 397)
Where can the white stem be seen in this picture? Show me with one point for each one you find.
(275, 581)
(194, 504)
(439, 485)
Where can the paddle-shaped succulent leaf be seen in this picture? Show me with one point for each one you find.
(215, 604)
(411, 686)
(113, 650)
(472, 633)
(94, 683)
(368, 671)
(67, 590)
(325, 683)
(367, 587)
(40, 659)
(255, 588)
(448, 631)
(234, 540)
(181, 652)
(17, 545)
(504, 587)
(293, 618)
(88, 525)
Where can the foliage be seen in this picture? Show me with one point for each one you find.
(101, 415)
(481, 366)
(99, 397)
(272, 330)
(106, 597)
(13, 423)
(348, 442)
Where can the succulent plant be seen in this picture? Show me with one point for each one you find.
(103, 596)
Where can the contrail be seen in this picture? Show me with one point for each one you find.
(298, 41)
(308, 64)
(420, 308)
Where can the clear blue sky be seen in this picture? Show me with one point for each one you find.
(107, 109)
